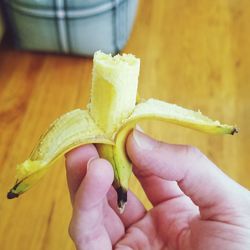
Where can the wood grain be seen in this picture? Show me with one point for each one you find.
(193, 53)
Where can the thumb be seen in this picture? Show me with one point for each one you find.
(87, 225)
(197, 177)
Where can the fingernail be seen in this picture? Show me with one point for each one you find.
(142, 140)
(90, 161)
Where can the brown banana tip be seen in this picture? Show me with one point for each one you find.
(12, 195)
(121, 207)
(234, 131)
(121, 198)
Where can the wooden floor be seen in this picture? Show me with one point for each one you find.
(193, 53)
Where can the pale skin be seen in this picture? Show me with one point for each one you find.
(195, 205)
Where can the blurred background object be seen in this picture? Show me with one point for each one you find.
(74, 27)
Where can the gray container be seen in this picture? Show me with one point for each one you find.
(71, 26)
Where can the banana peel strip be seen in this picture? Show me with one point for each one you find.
(69, 131)
(172, 113)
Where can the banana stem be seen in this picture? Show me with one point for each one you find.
(121, 199)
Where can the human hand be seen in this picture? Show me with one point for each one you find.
(195, 205)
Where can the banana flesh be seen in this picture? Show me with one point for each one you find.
(112, 113)
(114, 90)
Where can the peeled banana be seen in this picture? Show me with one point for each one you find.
(111, 114)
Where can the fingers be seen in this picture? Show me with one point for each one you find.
(76, 164)
(157, 188)
(197, 177)
(87, 227)
(95, 184)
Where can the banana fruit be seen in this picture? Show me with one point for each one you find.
(112, 113)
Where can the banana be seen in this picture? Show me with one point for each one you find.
(113, 111)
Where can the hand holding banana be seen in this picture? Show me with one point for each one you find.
(112, 113)
(195, 205)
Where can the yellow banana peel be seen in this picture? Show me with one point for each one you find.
(114, 110)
